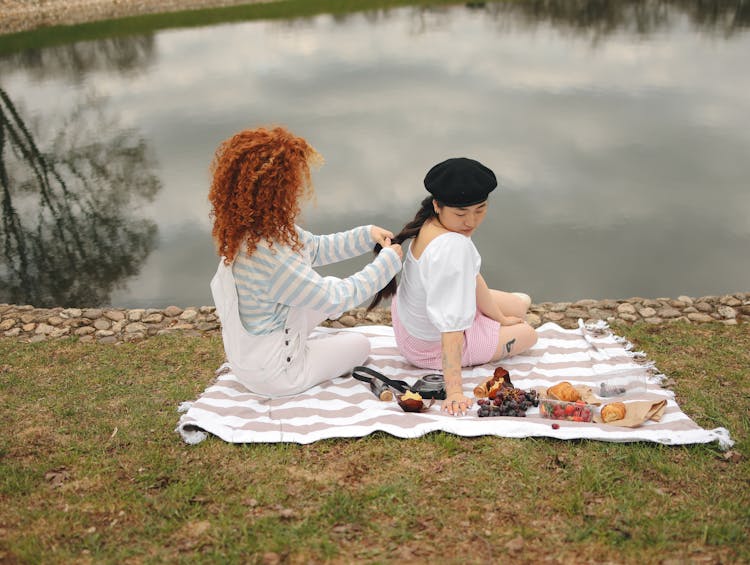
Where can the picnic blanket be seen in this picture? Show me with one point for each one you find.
(345, 407)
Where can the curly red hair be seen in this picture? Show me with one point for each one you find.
(259, 177)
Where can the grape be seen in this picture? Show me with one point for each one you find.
(508, 401)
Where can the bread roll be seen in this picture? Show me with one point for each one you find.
(613, 412)
(564, 391)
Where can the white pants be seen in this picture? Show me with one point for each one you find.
(284, 362)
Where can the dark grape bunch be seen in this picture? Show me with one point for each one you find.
(508, 402)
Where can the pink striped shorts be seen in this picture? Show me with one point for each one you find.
(480, 343)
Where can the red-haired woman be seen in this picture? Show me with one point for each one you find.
(444, 315)
(267, 295)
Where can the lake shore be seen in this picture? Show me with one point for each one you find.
(27, 15)
(117, 325)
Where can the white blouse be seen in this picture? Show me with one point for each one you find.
(437, 292)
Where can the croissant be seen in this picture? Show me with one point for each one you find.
(613, 412)
(564, 391)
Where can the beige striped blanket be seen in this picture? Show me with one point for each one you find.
(345, 407)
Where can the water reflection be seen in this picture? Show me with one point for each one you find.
(69, 236)
(619, 131)
(74, 61)
(599, 18)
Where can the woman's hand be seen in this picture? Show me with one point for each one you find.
(381, 236)
(510, 320)
(457, 404)
(396, 247)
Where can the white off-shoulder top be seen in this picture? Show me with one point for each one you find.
(437, 292)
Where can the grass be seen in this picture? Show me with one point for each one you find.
(91, 470)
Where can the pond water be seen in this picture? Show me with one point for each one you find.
(620, 136)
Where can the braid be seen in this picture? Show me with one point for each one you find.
(410, 230)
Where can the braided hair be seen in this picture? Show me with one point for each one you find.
(410, 230)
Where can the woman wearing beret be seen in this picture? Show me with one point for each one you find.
(444, 315)
(266, 292)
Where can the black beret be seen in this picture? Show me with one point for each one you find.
(460, 182)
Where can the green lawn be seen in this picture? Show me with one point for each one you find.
(91, 470)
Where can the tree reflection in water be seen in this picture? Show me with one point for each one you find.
(68, 235)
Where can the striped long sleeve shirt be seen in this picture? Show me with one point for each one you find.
(273, 279)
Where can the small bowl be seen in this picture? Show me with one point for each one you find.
(413, 404)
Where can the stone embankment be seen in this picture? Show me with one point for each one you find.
(117, 325)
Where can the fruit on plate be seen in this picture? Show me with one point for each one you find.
(411, 401)
(573, 411)
(507, 401)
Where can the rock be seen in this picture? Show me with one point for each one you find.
(92, 313)
(137, 336)
(102, 324)
(7, 324)
(172, 311)
(576, 313)
(699, 317)
(155, 318)
(628, 317)
(559, 307)
(726, 312)
(533, 320)
(669, 313)
(654, 320)
(348, 321)
(599, 314)
(189, 315)
(37, 338)
(104, 333)
(85, 330)
(207, 309)
(136, 314)
(732, 322)
(729, 300)
(647, 312)
(586, 302)
(136, 327)
(115, 315)
(12, 332)
(554, 316)
(55, 320)
(71, 313)
(685, 299)
(703, 306)
(28, 327)
(207, 326)
(626, 308)
(108, 339)
(43, 329)
(27, 318)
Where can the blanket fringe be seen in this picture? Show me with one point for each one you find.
(723, 437)
(191, 434)
(184, 407)
(601, 328)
